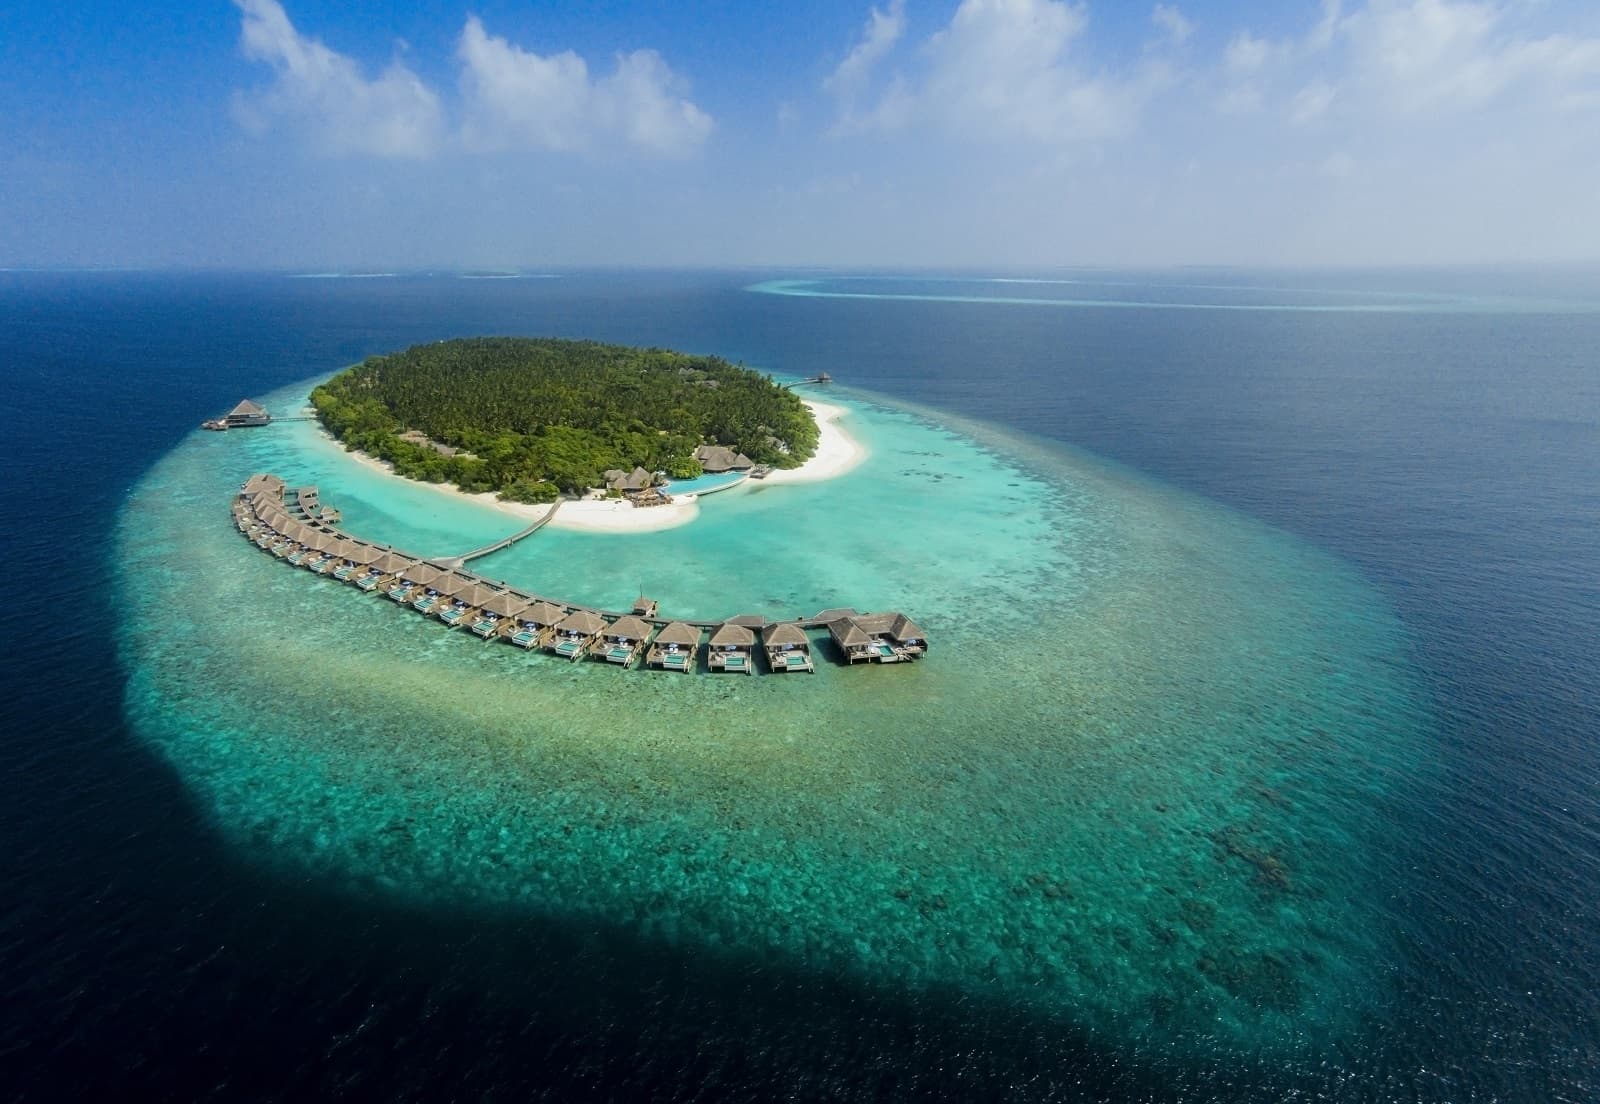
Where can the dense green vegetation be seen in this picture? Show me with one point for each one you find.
(539, 416)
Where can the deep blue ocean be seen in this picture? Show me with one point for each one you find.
(1438, 430)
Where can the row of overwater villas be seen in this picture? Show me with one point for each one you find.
(492, 612)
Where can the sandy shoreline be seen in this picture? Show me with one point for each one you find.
(837, 452)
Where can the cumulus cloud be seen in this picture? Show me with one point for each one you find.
(1427, 55)
(1004, 70)
(883, 30)
(327, 96)
(1172, 23)
(518, 99)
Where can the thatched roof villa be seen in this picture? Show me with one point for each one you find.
(788, 647)
(674, 647)
(732, 647)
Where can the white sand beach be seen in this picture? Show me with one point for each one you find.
(837, 452)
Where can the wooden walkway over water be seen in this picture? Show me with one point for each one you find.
(454, 562)
(757, 623)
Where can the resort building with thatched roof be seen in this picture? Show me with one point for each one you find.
(537, 624)
(623, 640)
(575, 634)
(645, 607)
(878, 637)
(732, 648)
(788, 648)
(716, 459)
(674, 647)
(498, 615)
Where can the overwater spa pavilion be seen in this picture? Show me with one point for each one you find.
(447, 591)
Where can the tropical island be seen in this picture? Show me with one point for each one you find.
(532, 419)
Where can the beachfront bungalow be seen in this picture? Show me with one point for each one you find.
(575, 634)
(624, 640)
(674, 647)
(537, 624)
(499, 614)
(788, 647)
(878, 637)
(732, 648)
(716, 459)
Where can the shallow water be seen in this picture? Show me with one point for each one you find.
(1134, 786)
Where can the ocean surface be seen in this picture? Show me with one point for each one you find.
(1255, 756)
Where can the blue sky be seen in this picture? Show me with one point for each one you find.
(1036, 133)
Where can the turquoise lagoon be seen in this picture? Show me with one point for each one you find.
(1134, 785)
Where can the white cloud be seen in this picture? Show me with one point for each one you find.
(326, 94)
(1432, 55)
(1172, 22)
(1246, 53)
(1310, 102)
(883, 30)
(517, 99)
(1001, 70)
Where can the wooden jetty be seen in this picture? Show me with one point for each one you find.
(447, 592)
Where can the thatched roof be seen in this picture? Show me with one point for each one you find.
(295, 531)
(644, 607)
(629, 628)
(785, 633)
(475, 595)
(730, 634)
(543, 613)
(891, 623)
(246, 407)
(848, 634)
(364, 554)
(581, 621)
(390, 562)
(450, 584)
(422, 574)
(679, 633)
(261, 481)
(716, 459)
(321, 542)
(506, 603)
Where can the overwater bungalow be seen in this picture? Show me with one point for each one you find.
(499, 614)
(788, 647)
(359, 562)
(385, 571)
(674, 647)
(248, 413)
(262, 483)
(437, 594)
(537, 624)
(624, 640)
(878, 638)
(732, 648)
(464, 604)
(413, 582)
(644, 607)
(575, 634)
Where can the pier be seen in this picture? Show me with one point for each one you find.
(506, 542)
(278, 521)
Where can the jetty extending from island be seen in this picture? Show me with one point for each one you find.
(294, 526)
